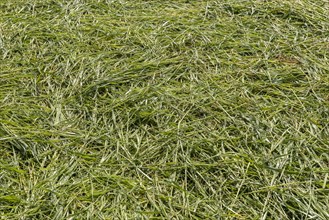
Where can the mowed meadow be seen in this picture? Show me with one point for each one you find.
(149, 109)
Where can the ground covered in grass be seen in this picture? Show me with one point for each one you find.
(113, 109)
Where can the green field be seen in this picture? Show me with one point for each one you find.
(185, 109)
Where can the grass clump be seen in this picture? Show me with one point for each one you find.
(164, 109)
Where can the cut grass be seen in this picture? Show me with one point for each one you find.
(164, 109)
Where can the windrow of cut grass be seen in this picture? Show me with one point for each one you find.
(164, 109)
